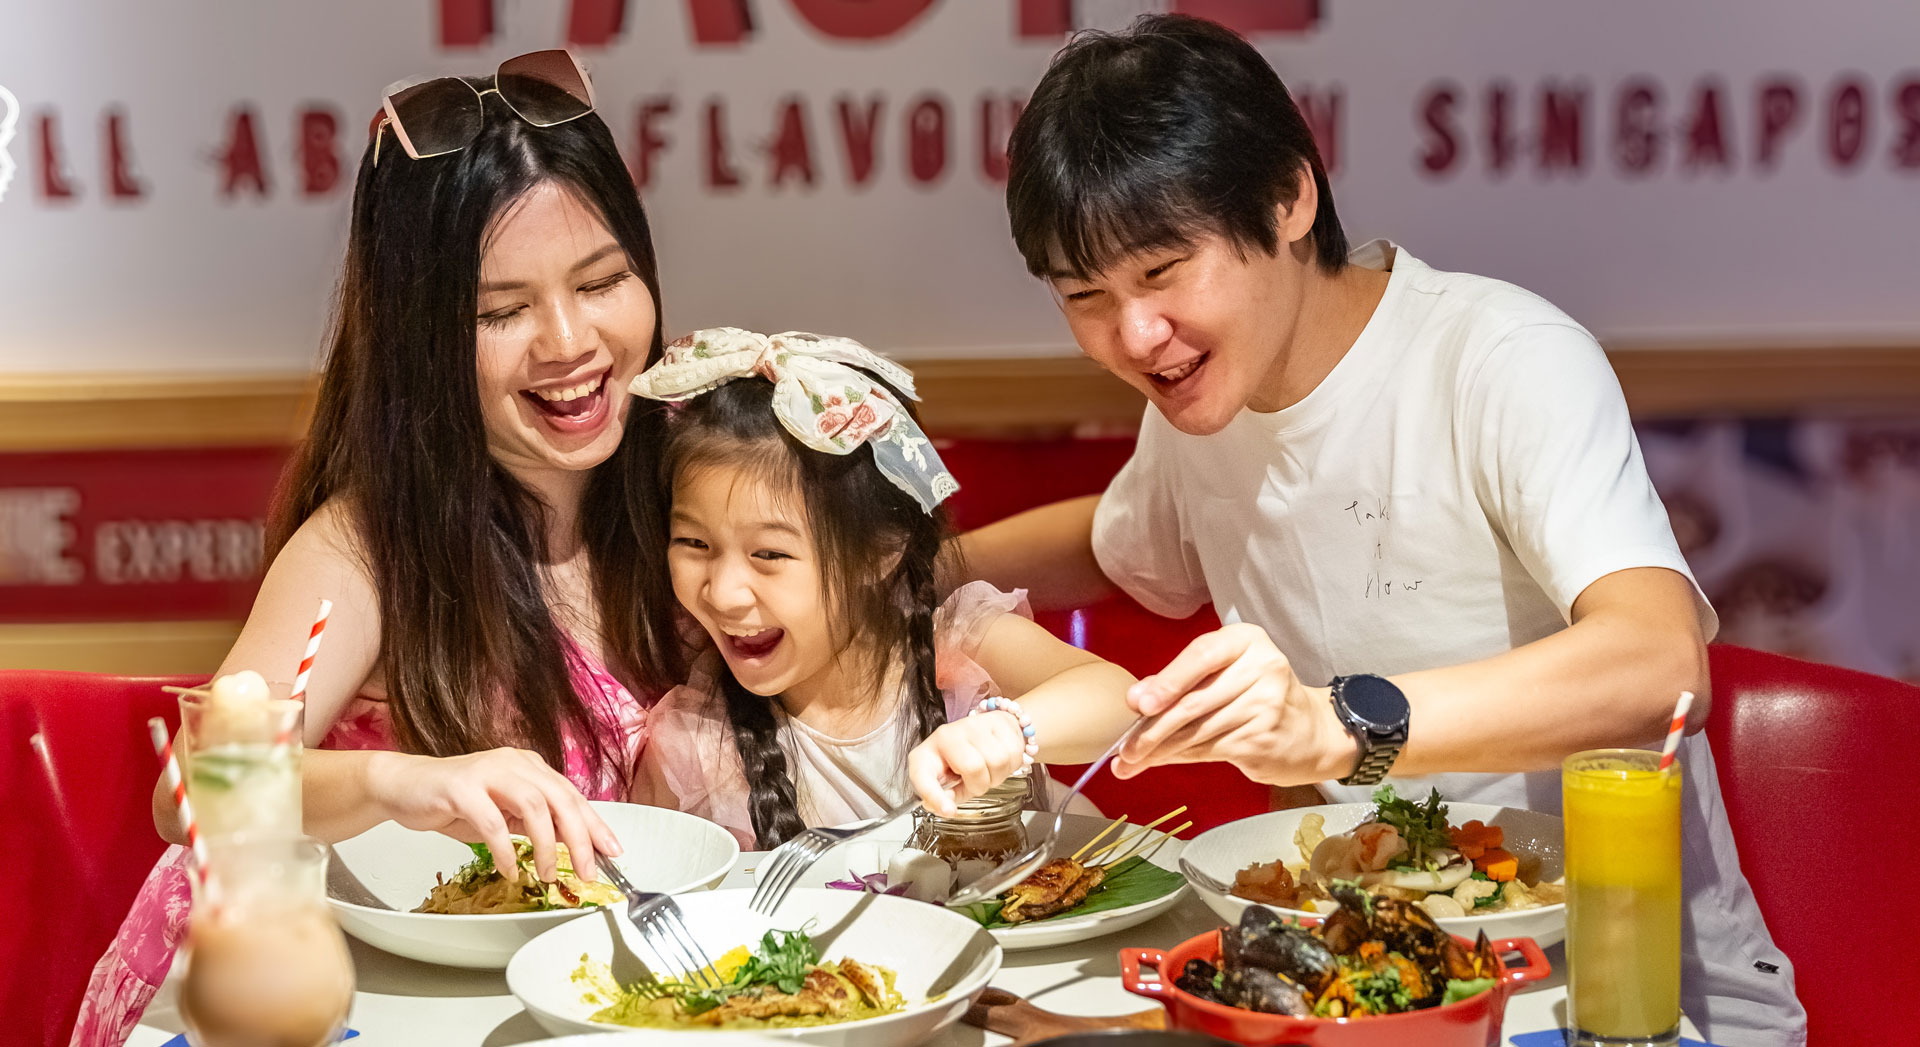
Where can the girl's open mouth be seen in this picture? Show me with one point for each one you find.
(754, 645)
(574, 409)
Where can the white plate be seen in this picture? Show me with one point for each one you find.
(870, 854)
(665, 851)
(940, 959)
(659, 1038)
(1225, 850)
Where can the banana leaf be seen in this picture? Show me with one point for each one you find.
(1132, 882)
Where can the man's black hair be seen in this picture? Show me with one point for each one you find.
(1145, 139)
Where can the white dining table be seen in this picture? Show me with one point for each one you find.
(404, 1003)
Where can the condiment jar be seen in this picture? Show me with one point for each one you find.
(984, 832)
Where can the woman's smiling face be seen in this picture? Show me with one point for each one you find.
(562, 324)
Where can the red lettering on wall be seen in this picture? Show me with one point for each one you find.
(1043, 18)
(1779, 111)
(1636, 139)
(1561, 128)
(719, 21)
(54, 184)
(858, 125)
(1906, 146)
(860, 19)
(648, 141)
(319, 151)
(594, 23)
(791, 154)
(1321, 111)
(1706, 141)
(720, 171)
(998, 114)
(465, 23)
(1501, 148)
(120, 181)
(1443, 147)
(927, 139)
(240, 160)
(1254, 16)
(1847, 124)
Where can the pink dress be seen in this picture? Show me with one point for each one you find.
(690, 762)
(128, 975)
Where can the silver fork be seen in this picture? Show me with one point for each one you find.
(1022, 865)
(789, 860)
(657, 917)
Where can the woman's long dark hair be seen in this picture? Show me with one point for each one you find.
(859, 519)
(470, 651)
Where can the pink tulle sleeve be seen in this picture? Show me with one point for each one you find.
(959, 627)
(690, 763)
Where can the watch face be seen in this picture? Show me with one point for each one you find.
(1375, 700)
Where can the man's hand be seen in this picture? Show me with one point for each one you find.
(1232, 696)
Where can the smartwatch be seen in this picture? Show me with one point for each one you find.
(1374, 711)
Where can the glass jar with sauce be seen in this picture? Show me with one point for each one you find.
(986, 831)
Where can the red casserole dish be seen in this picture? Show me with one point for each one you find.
(1472, 1022)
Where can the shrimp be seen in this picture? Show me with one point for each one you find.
(1375, 844)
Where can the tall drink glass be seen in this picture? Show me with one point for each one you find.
(1622, 831)
(242, 763)
(266, 964)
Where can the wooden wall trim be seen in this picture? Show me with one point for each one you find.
(132, 648)
(94, 412)
(997, 396)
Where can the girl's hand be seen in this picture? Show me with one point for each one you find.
(484, 797)
(966, 758)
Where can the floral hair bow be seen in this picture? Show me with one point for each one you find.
(818, 395)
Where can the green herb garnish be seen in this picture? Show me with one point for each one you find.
(1423, 826)
(782, 960)
(1382, 991)
(1458, 990)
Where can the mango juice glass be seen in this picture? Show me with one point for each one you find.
(1622, 841)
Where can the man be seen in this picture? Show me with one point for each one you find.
(1414, 496)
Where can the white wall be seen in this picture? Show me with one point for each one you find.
(183, 279)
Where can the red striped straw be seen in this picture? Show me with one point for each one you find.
(163, 746)
(1674, 732)
(313, 648)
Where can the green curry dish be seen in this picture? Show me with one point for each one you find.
(781, 984)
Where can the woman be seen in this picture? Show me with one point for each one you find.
(463, 499)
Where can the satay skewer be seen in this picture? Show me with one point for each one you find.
(1144, 830)
(1111, 826)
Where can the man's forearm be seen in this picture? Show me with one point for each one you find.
(1610, 679)
(1047, 551)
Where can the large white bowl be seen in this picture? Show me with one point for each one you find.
(665, 851)
(1530, 835)
(870, 854)
(940, 958)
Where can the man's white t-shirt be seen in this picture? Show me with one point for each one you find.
(1444, 495)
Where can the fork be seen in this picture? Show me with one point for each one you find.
(657, 917)
(789, 860)
(1020, 866)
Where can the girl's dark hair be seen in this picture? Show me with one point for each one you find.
(470, 652)
(1142, 140)
(859, 519)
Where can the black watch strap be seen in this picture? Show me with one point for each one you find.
(1377, 716)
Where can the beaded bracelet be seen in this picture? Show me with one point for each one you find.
(1027, 730)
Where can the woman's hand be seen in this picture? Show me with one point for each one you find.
(966, 758)
(484, 797)
(1232, 696)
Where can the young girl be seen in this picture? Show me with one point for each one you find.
(803, 532)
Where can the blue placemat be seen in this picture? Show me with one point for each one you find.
(1560, 1038)
(181, 1040)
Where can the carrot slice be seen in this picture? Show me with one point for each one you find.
(1498, 864)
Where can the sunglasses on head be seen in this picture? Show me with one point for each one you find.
(440, 115)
